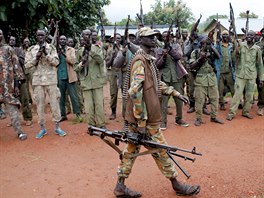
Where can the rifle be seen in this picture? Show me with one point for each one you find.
(218, 33)
(245, 30)
(114, 39)
(232, 27)
(126, 31)
(139, 139)
(211, 33)
(167, 40)
(141, 16)
(85, 55)
(194, 28)
(102, 28)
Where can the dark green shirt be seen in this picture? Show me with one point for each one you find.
(62, 68)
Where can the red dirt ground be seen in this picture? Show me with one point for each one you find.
(78, 165)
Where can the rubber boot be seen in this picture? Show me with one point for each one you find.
(184, 189)
(122, 191)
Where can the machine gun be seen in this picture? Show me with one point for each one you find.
(139, 139)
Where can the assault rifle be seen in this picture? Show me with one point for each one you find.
(102, 27)
(167, 40)
(232, 27)
(139, 139)
(141, 16)
(245, 30)
(195, 28)
(114, 39)
(126, 31)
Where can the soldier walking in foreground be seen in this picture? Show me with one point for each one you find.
(43, 60)
(10, 73)
(143, 114)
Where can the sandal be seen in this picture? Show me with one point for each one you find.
(188, 190)
(182, 189)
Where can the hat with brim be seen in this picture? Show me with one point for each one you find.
(146, 31)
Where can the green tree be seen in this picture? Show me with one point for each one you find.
(23, 17)
(169, 11)
(250, 15)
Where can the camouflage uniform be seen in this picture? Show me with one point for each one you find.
(44, 80)
(24, 92)
(10, 74)
(92, 85)
(140, 111)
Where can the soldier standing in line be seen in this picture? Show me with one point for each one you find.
(225, 67)
(168, 62)
(202, 60)
(24, 95)
(90, 65)
(67, 78)
(10, 75)
(260, 104)
(143, 114)
(113, 73)
(26, 44)
(249, 65)
(43, 60)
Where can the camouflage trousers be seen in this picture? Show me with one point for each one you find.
(14, 113)
(240, 85)
(54, 95)
(161, 158)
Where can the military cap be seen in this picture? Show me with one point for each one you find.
(225, 32)
(146, 31)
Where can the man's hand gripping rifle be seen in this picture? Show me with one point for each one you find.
(140, 139)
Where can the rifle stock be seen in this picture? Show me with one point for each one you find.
(139, 139)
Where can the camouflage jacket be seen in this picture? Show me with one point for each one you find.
(45, 69)
(10, 74)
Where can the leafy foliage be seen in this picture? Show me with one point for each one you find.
(22, 18)
(169, 11)
(250, 15)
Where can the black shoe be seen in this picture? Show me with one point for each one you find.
(191, 110)
(112, 116)
(63, 118)
(22, 136)
(247, 115)
(222, 107)
(198, 122)
(182, 123)
(216, 120)
(205, 111)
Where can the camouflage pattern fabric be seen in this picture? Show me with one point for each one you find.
(162, 160)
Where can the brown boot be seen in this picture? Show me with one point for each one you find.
(184, 189)
(122, 191)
